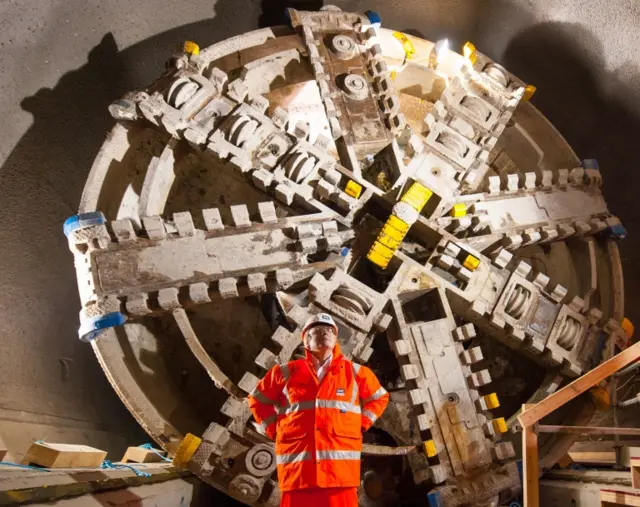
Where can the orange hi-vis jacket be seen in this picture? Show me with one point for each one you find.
(318, 426)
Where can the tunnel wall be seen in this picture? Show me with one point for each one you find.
(64, 62)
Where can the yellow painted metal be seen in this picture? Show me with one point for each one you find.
(459, 210)
(389, 241)
(471, 263)
(392, 232)
(186, 450)
(378, 259)
(191, 48)
(353, 189)
(600, 398)
(469, 52)
(499, 425)
(430, 449)
(529, 91)
(380, 254)
(395, 228)
(397, 224)
(417, 196)
(407, 45)
(491, 401)
(627, 327)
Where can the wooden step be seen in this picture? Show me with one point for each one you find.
(635, 472)
(618, 497)
(51, 455)
(142, 455)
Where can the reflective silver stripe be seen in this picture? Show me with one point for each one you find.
(283, 459)
(354, 396)
(285, 393)
(356, 369)
(370, 415)
(261, 397)
(340, 405)
(284, 369)
(269, 420)
(308, 405)
(296, 407)
(338, 455)
(375, 396)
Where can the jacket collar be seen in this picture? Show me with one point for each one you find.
(337, 354)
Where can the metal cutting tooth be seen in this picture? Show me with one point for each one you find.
(358, 297)
(349, 304)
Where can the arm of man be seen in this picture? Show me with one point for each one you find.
(373, 397)
(263, 398)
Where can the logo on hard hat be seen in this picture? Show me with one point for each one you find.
(319, 319)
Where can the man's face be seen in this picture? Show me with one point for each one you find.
(321, 338)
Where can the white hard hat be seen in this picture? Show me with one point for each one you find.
(319, 319)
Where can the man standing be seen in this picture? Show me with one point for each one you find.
(316, 410)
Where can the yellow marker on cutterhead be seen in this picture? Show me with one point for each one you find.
(430, 448)
(471, 263)
(491, 401)
(500, 425)
(470, 53)
(529, 91)
(353, 189)
(407, 45)
(417, 196)
(191, 48)
(459, 210)
(186, 450)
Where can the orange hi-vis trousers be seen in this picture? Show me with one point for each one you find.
(320, 497)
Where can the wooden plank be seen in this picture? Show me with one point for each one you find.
(602, 477)
(142, 455)
(628, 453)
(620, 497)
(617, 279)
(635, 473)
(530, 465)
(594, 457)
(19, 487)
(580, 385)
(565, 461)
(51, 455)
(606, 445)
(587, 430)
(562, 443)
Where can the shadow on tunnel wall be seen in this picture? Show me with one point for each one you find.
(41, 182)
(274, 11)
(592, 109)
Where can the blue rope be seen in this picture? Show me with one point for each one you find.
(6, 463)
(108, 465)
(150, 447)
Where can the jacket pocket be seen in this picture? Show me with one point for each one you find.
(349, 428)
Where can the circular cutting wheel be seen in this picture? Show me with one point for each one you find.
(465, 251)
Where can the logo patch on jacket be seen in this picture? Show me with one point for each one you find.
(340, 392)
